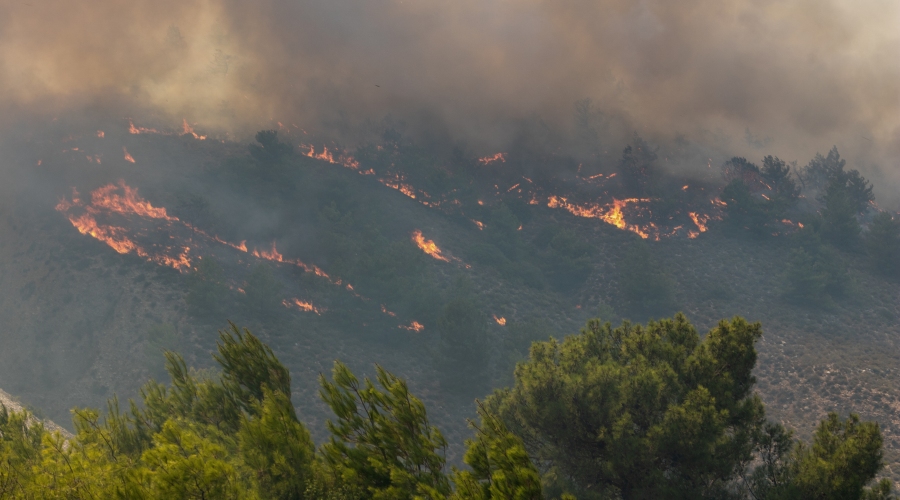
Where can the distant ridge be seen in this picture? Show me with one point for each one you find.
(11, 404)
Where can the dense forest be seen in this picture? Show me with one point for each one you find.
(633, 412)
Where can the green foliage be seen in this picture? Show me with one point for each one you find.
(839, 215)
(277, 447)
(844, 457)
(647, 288)
(756, 198)
(776, 175)
(462, 354)
(816, 175)
(20, 451)
(382, 441)
(500, 465)
(641, 412)
(828, 171)
(815, 274)
(743, 210)
(249, 368)
(883, 244)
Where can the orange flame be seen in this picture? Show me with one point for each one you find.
(700, 220)
(128, 156)
(415, 326)
(500, 321)
(386, 311)
(140, 130)
(130, 203)
(342, 159)
(302, 305)
(611, 214)
(428, 246)
(498, 157)
(275, 256)
(107, 199)
(100, 134)
(479, 224)
(186, 127)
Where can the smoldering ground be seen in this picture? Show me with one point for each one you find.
(746, 78)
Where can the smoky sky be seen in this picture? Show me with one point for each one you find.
(755, 77)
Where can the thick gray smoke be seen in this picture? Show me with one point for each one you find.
(750, 77)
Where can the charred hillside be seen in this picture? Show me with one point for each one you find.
(436, 263)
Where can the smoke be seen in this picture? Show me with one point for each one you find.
(752, 78)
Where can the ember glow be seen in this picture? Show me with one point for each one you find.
(140, 130)
(128, 156)
(500, 320)
(414, 326)
(496, 158)
(700, 220)
(428, 246)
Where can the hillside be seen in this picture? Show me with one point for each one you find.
(319, 258)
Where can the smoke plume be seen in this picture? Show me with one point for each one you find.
(753, 78)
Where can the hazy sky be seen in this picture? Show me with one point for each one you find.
(793, 77)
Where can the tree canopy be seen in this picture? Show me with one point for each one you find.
(650, 411)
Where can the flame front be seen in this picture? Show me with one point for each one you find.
(128, 156)
(428, 246)
(130, 203)
(186, 127)
(342, 159)
(106, 200)
(611, 214)
(500, 320)
(302, 305)
(498, 157)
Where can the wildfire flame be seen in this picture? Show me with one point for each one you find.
(302, 305)
(275, 256)
(128, 156)
(140, 130)
(100, 134)
(386, 311)
(129, 203)
(105, 199)
(498, 157)
(186, 127)
(342, 159)
(415, 326)
(428, 246)
(500, 320)
(700, 220)
(610, 213)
